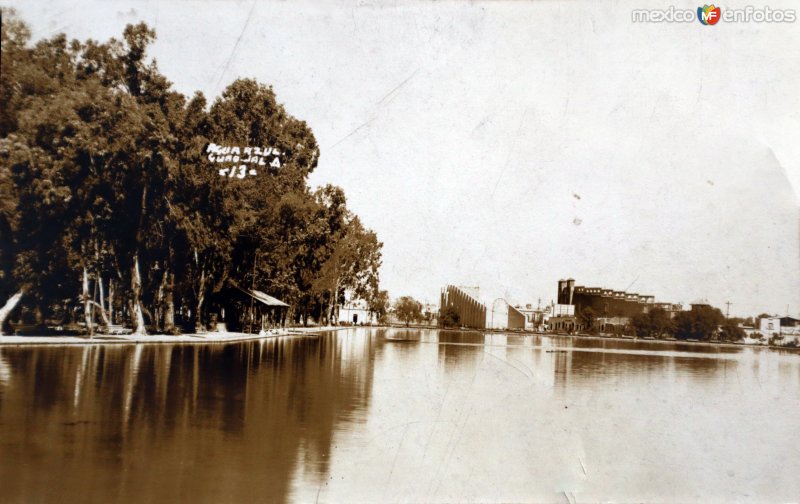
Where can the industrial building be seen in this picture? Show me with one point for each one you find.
(604, 302)
(471, 312)
(612, 308)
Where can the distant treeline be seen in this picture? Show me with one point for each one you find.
(702, 323)
(111, 210)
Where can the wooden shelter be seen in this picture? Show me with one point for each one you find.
(245, 310)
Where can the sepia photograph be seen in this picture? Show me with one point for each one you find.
(409, 251)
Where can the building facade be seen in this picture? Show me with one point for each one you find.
(505, 316)
(782, 326)
(603, 302)
(471, 312)
(355, 312)
(612, 309)
(535, 318)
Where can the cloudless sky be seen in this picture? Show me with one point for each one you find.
(510, 144)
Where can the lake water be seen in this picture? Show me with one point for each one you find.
(354, 417)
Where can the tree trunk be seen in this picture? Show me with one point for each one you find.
(169, 299)
(334, 299)
(330, 311)
(159, 305)
(103, 311)
(136, 276)
(103, 314)
(169, 293)
(199, 327)
(136, 302)
(111, 301)
(87, 311)
(7, 308)
(102, 306)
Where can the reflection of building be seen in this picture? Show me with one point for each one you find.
(471, 312)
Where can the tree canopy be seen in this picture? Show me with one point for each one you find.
(655, 323)
(701, 323)
(112, 207)
(408, 309)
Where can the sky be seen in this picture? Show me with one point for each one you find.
(507, 145)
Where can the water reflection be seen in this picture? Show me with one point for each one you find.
(210, 423)
(399, 415)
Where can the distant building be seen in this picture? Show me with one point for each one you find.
(471, 312)
(535, 318)
(562, 310)
(671, 308)
(782, 326)
(604, 302)
(356, 312)
(505, 316)
(430, 313)
(516, 319)
(613, 308)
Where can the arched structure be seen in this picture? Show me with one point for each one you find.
(507, 317)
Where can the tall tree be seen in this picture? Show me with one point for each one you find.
(110, 190)
(408, 309)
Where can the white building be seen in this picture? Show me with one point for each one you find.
(356, 312)
(782, 326)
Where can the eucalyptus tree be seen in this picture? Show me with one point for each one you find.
(351, 266)
(106, 180)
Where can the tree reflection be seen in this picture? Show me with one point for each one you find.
(214, 423)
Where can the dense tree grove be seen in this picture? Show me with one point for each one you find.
(113, 213)
(655, 323)
(701, 323)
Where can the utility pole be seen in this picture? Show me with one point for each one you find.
(727, 309)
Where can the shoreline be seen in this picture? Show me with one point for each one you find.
(162, 339)
(646, 340)
(300, 332)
